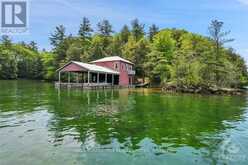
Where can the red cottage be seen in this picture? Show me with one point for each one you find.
(105, 72)
(124, 67)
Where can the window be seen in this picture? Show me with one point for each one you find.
(116, 66)
(127, 67)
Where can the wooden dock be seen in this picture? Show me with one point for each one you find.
(89, 85)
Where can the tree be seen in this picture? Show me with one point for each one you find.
(137, 29)
(85, 29)
(6, 41)
(49, 67)
(60, 43)
(58, 36)
(74, 52)
(33, 46)
(219, 38)
(115, 47)
(153, 30)
(105, 28)
(137, 52)
(160, 58)
(97, 49)
(125, 33)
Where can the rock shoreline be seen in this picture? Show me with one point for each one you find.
(204, 90)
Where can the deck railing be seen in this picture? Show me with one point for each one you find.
(83, 85)
(131, 72)
(89, 85)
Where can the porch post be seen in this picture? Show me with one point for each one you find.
(97, 78)
(131, 81)
(69, 77)
(88, 77)
(59, 77)
(106, 77)
(77, 78)
(112, 79)
(83, 77)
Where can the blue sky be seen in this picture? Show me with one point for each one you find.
(192, 15)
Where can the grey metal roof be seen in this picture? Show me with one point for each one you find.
(112, 58)
(92, 67)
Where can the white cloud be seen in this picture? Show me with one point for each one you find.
(245, 2)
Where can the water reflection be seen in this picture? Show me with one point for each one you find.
(133, 122)
(130, 118)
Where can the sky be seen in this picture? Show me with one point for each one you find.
(192, 15)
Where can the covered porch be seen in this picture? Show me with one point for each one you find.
(83, 75)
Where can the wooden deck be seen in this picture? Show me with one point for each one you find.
(89, 85)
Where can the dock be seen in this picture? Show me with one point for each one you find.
(90, 85)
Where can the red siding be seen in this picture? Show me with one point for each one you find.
(123, 78)
(72, 68)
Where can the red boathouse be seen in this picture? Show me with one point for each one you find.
(105, 72)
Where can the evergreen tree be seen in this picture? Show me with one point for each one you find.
(33, 46)
(125, 33)
(105, 28)
(58, 36)
(153, 30)
(85, 29)
(6, 41)
(137, 29)
(219, 38)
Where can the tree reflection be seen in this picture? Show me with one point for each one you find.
(137, 119)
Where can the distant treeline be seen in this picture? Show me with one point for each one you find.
(162, 56)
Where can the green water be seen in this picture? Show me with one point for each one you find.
(40, 125)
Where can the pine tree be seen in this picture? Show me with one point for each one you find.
(125, 33)
(58, 36)
(137, 29)
(85, 29)
(218, 37)
(33, 46)
(153, 30)
(105, 28)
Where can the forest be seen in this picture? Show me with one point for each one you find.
(161, 56)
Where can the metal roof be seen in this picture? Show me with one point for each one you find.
(91, 67)
(112, 58)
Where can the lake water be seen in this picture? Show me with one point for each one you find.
(40, 125)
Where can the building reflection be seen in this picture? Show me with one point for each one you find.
(139, 120)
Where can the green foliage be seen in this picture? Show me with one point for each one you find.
(137, 29)
(153, 30)
(125, 33)
(158, 61)
(8, 63)
(137, 51)
(186, 72)
(48, 61)
(164, 56)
